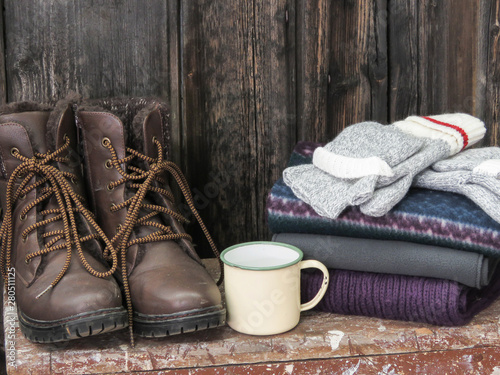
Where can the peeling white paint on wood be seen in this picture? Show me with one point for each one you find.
(335, 338)
(388, 370)
(352, 370)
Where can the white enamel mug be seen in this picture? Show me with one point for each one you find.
(262, 286)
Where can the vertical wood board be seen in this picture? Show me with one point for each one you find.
(312, 55)
(447, 56)
(218, 110)
(238, 110)
(358, 64)
(275, 98)
(490, 22)
(97, 48)
(403, 59)
(3, 83)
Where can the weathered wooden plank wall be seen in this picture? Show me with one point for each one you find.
(3, 88)
(238, 108)
(247, 79)
(489, 75)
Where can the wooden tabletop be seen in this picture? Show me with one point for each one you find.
(322, 343)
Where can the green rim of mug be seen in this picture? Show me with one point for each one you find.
(281, 244)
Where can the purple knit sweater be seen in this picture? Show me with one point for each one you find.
(408, 298)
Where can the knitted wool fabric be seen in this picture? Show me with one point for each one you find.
(346, 170)
(458, 131)
(423, 216)
(473, 174)
(482, 163)
(468, 160)
(407, 298)
(372, 165)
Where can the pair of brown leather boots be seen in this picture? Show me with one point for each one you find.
(89, 224)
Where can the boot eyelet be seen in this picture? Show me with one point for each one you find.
(27, 261)
(106, 142)
(112, 206)
(74, 181)
(14, 151)
(109, 187)
(65, 137)
(25, 239)
(154, 139)
(118, 227)
(108, 164)
(23, 217)
(22, 196)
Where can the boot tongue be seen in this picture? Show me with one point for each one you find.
(152, 127)
(146, 125)
(35, 123)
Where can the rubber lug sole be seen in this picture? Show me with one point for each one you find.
(75, 327)
(173, 324)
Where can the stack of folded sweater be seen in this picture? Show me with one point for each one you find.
(429, 256)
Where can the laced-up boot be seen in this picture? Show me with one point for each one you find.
(64, 288)
(167, 288)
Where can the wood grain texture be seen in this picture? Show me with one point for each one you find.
(218, 109)
(238, 110)
(97, 48)
(3, 83)
(490, 77)
(466, 361)
(275, 97)
(313, 54)
(358, 64)
(170, 82)
(447, 56)
(403, 59)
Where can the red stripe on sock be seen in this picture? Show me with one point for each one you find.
(458, 129)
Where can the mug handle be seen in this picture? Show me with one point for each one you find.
(310, 263)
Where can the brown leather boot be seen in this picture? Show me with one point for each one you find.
(164, 281)
(63, 288)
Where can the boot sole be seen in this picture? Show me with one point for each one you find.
(175, 324)
(75, 327)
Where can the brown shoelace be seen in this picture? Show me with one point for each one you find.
(143, 181)
(51, 182)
